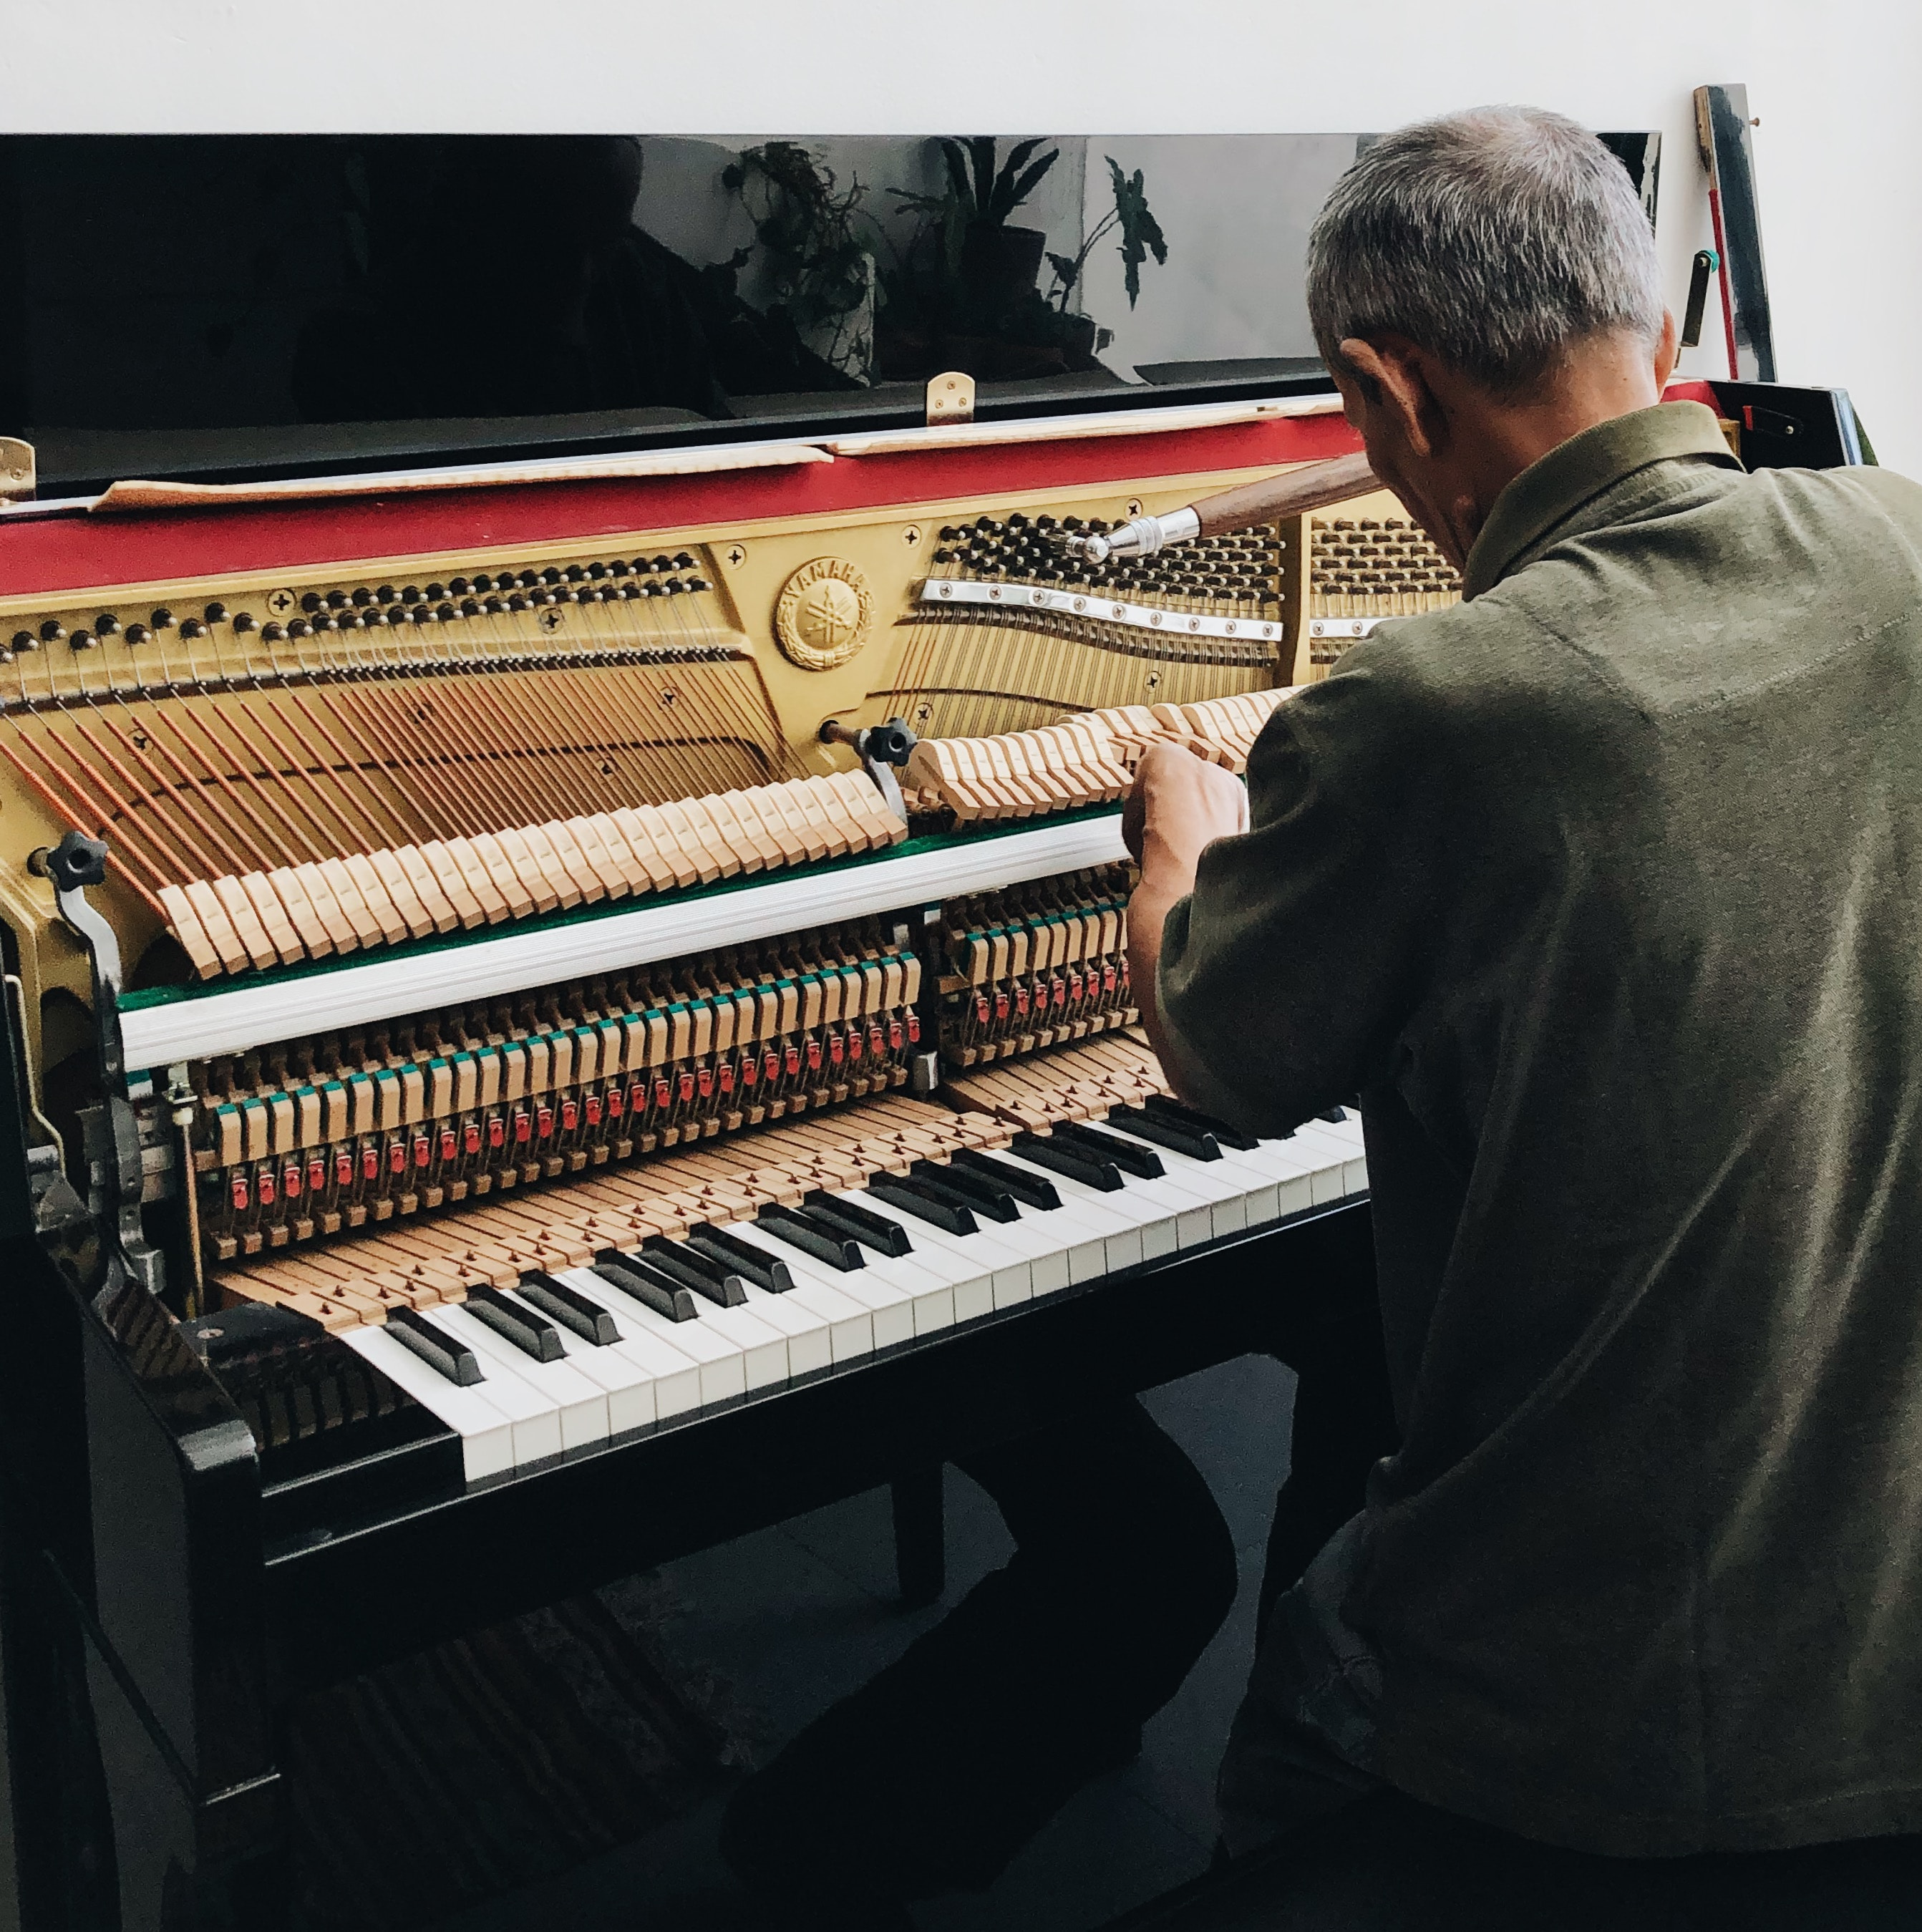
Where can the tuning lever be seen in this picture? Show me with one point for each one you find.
(1310, 486)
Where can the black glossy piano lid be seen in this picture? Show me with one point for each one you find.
(221, 307)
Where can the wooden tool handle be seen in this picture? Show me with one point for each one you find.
(1312, 486)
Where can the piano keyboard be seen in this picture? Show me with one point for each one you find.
(738, 1267)
(739, 1308)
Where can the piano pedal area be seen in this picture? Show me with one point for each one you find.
(475, 1241)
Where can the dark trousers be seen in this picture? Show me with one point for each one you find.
(1344, 1424)
(933, 1775)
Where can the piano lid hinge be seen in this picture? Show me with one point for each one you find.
(19, 473)
(950, 398)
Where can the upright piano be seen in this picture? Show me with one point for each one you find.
(560, 1008)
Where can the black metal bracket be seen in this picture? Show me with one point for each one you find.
(116, 1176)
(880, 747)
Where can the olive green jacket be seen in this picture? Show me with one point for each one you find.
(1603, 890)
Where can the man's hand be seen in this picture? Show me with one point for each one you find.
(1180, 804)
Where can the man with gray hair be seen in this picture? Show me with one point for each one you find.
(1602, 889)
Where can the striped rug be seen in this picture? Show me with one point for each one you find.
(501, 1759)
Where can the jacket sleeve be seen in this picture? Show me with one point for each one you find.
(1287, 976)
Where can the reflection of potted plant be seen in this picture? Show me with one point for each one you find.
(821, 278)
(950, 302)
(1140, 237)
(996, 264)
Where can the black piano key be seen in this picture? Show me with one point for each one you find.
(1334, 1115)
(871, 1230)
(934, 1205)
(1128, 1156)
(1029, 1189)
(752, 1264)
(533, 1334)
(1228, 1136)
(721, 1284)
(813, 1234)
(633, 1275)
(1089, 1170)
(972, 1190)
(1197, 1143)
(440, 1350)
(569, 1307)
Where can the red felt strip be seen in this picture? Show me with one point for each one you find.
(74, 553)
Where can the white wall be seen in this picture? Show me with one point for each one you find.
(1839, 151)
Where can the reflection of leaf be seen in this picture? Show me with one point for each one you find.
(955, 156)
(980, 152)
(1012, 187)
(1140, 233)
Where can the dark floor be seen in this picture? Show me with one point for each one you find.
(794, 1617)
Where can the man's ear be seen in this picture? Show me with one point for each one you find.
(1667, 352)
(1393, 368)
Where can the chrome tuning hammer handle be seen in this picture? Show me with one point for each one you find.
(1310, 486)
(1141, 538)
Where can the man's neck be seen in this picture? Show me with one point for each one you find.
(1497, 438)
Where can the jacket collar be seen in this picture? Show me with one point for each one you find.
(1552, 489)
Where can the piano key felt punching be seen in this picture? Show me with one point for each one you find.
(320, 1136)
(359, 899)
(1088, 760)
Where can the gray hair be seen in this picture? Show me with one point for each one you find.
(1493, 238)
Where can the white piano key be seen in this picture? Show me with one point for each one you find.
(1191, 1206)
(486, 1435)
(723, 1372)
(536, 1420)
(886, 1287)
(850, 1323)
(1323, 1162)
(1342, 1139)
(580, 1409)
(982, 1271)
(628, 1386)
(1109, 1237)
(810, 1346)
(763, 1347)
(676, 1376)
(1253, 1186)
